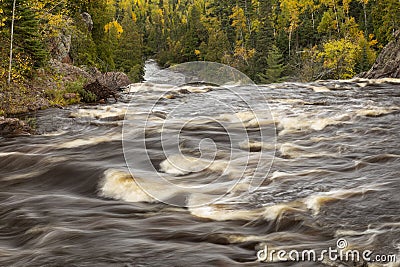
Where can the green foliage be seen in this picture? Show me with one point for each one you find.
(27, 39)
(339, 59)
(320, 39)
(77, 87)
(72, 93)
(83, 49)
(128, 56)
(275, 69)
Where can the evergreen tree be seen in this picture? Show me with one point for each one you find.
(275, 68)
(263, 41)
(195, 35)
(129, 57)
(27, 38)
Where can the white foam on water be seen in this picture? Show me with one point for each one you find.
(121, 185)
(342, 233)
(56, 133)
(376, 111)
(218, 213)
(255, 145)
(278, 175)
(90, 141)
(182, 165)
(222, 212)
(238, 117)
(303, 123)
(295, 151)
(101, 112)
(315, 202)
(319, 89)
(384, 80)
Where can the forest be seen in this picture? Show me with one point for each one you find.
(269, 40)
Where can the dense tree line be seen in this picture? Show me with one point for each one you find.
(266, 39)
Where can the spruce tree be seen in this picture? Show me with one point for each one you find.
(263, 40)
(275, 68)
(129, 55)
(27, 37)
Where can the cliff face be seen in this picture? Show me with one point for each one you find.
(387, 64)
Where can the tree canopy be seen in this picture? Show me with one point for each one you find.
(307, 40)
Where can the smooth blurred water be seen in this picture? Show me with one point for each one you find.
(67, 197)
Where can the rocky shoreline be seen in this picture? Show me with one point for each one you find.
(387, 64)
(14, 127)
(106, 85)
(101, 85)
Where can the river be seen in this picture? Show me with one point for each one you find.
(68, 196)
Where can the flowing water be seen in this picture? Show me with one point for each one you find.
(68, 198)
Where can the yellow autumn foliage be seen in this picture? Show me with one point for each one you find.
(114, 25)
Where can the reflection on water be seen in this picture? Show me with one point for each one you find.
(68, 198)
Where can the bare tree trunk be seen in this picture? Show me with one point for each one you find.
(337, 17)
(290, 41)
(11, 43)
(313, 20)
(365, 19)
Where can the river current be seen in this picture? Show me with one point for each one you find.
(74, 195)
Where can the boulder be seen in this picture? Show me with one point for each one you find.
(60, 47)
(13, 127)
(88, 20)
(69, 72)
(113, 80)
(69, 96)
(102, 85)
(387, 64)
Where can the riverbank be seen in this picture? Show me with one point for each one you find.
(58, 86)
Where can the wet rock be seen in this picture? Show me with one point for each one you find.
(388, 62)
(13, 127)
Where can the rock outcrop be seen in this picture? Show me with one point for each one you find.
(88, 20)
(106, 85)
(103, 85)
(387, 64)
(13, 127)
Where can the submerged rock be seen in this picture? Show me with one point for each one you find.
(387, 64)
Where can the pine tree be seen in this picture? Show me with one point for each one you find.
(275, 68)
(27, 38)
(129, 55)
